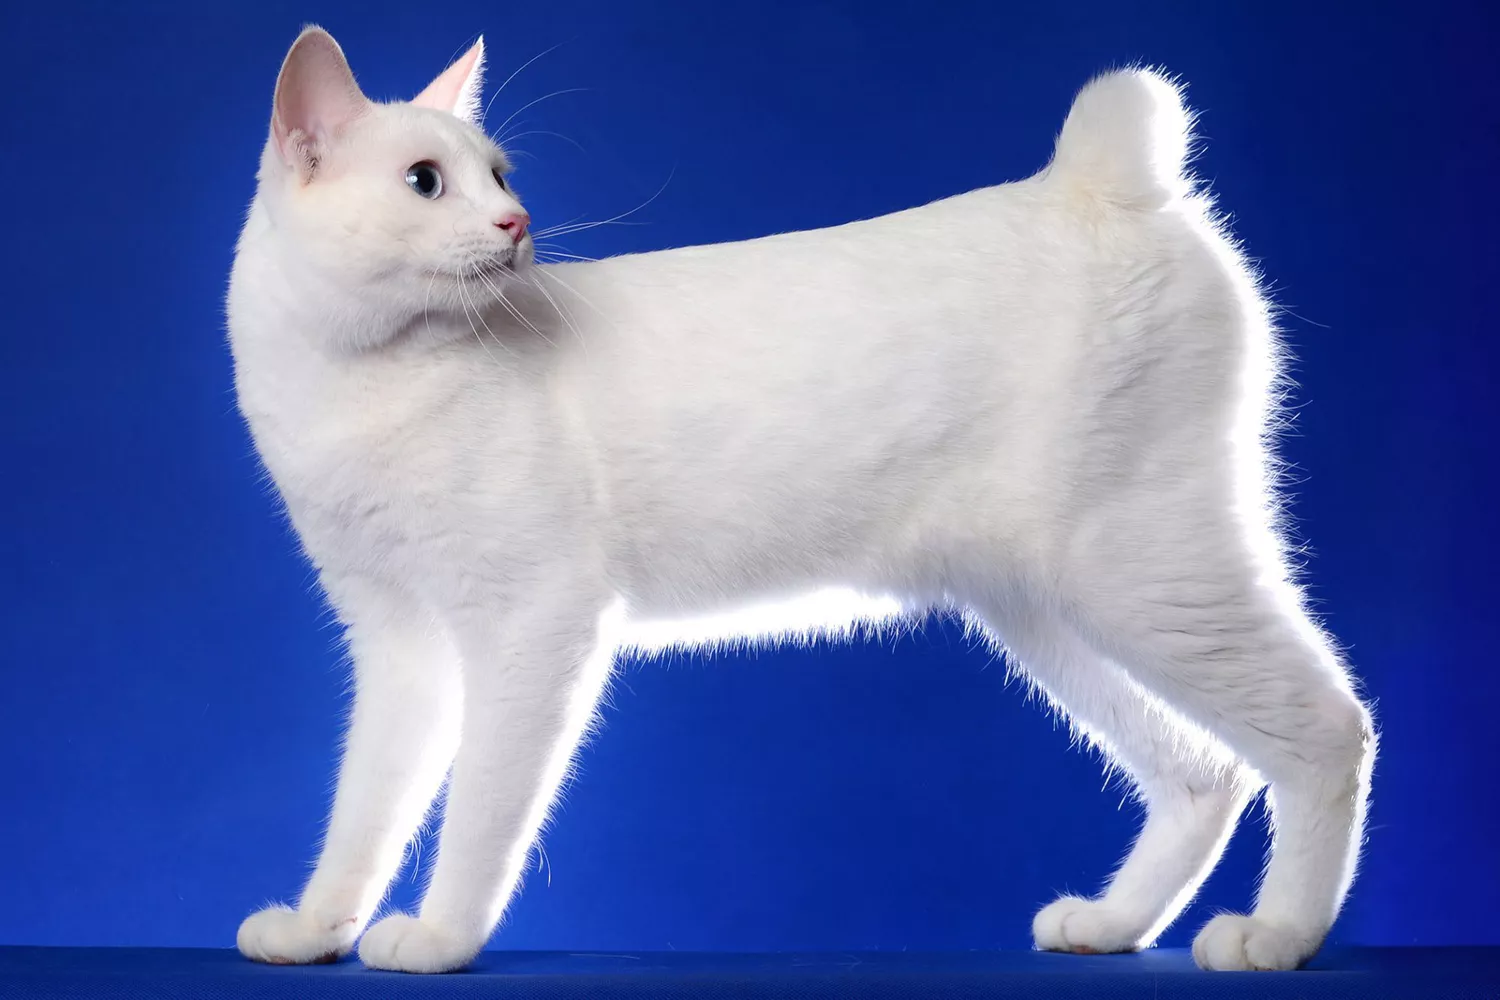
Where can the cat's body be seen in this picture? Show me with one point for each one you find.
(1042, 403)
(716, 427)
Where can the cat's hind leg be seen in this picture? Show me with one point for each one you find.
(1207, 622)
(1193, 790)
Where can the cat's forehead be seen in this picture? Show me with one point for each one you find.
(431, 134)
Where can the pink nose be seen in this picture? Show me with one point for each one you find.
(514, 224)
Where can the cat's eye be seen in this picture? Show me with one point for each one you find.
(499, 178)
(425, 179)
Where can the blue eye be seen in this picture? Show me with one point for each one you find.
(499, 178)
(424, 179)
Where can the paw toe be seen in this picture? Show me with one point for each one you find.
(403, 943)
(279, 935)
(1085, 927)
(1231, 942)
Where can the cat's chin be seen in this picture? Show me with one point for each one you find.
(499, 269)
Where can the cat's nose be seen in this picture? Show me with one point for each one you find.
(514, 224)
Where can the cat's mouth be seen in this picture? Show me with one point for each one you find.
(493, 266)
(500, 265)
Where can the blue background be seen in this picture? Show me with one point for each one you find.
(171, 692)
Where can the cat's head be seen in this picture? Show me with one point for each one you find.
(404, 206)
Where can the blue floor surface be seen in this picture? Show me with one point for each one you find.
(120, 973)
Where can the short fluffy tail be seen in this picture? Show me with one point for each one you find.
(1126, 141)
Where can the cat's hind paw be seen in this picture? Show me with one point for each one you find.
(1085, 927)
(402, 943)
(1234, 942)
(280, 935)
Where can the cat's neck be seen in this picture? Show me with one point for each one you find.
(295, 305)
(305, 350)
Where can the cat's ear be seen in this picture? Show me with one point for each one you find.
(457, 88)
(316, 97)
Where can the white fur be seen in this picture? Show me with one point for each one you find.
(1043, 403)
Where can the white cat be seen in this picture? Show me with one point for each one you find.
(1043, 403)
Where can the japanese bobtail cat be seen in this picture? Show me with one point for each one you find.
(1044, 404)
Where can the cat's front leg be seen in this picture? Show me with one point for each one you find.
(531, 681)
(401, 739)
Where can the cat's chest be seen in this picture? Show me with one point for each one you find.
(414, 473)
(368, 473)
(368, 497)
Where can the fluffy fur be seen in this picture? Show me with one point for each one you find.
(504, 472)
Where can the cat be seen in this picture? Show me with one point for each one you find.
(1047, 405)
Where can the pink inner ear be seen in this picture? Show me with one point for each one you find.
(456, 90)
(316, 96)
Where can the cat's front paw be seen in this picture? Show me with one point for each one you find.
(403, 943)
(281, 935)
(1234, 942)
(1085, 927)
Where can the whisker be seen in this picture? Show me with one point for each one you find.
(570, 230)
(427, 303)
(564, 229)
(513, 310)
(576, 218)
(576, 293)
(540, 131)
(567, 320)
(500, 137)
(493, 335)
(464, 303)
(468, 298)
(565, 256)
(517, 73)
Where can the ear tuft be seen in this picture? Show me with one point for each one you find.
(316, 97)
(457, 89)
